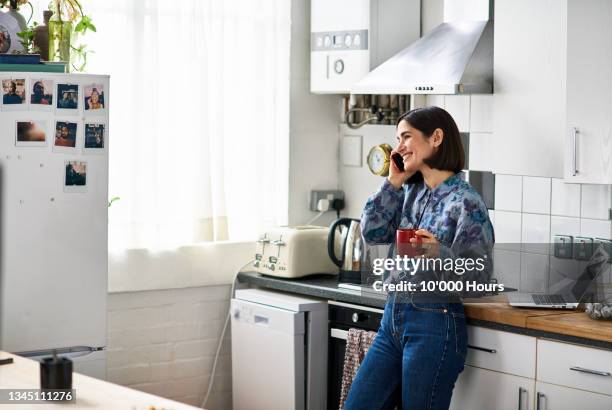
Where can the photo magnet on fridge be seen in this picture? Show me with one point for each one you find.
(94, 141)
(30, 133)
(94, 99)
(14, 94)
(66, 132)
(75, 176)
(41, 93)
(67, 98)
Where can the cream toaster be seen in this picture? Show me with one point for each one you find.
(293, 252)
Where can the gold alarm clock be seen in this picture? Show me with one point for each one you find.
(379, 159)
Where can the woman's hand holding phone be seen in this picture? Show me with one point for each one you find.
(397, 176)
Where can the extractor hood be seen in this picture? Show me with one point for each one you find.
(453, 58)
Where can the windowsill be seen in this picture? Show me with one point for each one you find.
(205, 264)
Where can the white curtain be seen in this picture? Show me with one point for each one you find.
(199, 117)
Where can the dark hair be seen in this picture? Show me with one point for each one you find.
(450, 155)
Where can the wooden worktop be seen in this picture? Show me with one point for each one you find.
(569, 323)
(493, 312)
(573, 324)
(91, 393)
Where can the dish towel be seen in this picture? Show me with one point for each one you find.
(358, 342)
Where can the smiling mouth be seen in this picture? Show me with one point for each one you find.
(407, 156)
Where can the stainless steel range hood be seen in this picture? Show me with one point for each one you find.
(453, 58)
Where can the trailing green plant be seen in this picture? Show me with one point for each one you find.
(27, 39)
(113, 199)
(72, 11)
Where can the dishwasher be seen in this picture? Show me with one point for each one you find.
(279, 351)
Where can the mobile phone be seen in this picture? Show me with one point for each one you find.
(399, 161)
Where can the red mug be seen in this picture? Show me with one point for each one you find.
(403, 244)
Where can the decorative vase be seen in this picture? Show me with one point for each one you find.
(14, 11)
(60, 36)
(41, 37)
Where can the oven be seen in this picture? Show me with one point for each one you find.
(342, 317)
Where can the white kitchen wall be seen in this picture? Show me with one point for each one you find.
(313, 161)
(163, 342)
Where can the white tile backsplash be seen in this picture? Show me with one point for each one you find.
(481, 113)
(458, 106)
(535, 232)
(563, 225)
(507, 229)
(534, 272)
(481, 151)
(536, 195)
(508, 192)
(595, 201)
(593, 228)
(565, 198)
(507, 267)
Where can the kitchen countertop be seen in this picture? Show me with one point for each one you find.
(492, 312)
(91, 393)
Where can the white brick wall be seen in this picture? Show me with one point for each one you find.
(163, 342)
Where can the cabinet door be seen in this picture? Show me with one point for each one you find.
(553, 397)
(529, 88)
(481, 389)
(588, 133)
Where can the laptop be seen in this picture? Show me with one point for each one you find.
(570, 294)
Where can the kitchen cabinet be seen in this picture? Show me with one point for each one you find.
(588, 132)
(529, 87)
(575, 366)
(553, 397)
(553, 89)
(485, 389)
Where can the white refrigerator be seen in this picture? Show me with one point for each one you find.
(53, 216)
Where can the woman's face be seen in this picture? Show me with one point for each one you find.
(414, 146)
(94, 97)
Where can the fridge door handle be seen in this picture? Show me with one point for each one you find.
(72, 351)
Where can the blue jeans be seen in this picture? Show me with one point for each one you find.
(420, 348)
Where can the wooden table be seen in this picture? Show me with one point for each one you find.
(91, 393)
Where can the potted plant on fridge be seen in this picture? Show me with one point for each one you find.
(67, 24)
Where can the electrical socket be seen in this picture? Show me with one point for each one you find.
(583, 248)
(563, 246)
(315, 195)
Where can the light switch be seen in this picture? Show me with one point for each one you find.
(563, 246)
(350, 151)
(583, 248)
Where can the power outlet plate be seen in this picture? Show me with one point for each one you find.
(583, 248)
(563, 246)
(324, 194)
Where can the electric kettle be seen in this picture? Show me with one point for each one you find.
(352, 249)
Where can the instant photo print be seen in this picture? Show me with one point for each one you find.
(94, 101)
(65, 135)
(41, 94)
(95, 138)
(75, 176)
(14, 94)
(30, 133)
(67, 98)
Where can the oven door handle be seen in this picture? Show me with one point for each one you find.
(339, 334)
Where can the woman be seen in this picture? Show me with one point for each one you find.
(94, 100)
(420, 347)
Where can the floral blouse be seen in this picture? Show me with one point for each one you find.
(453, 212)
